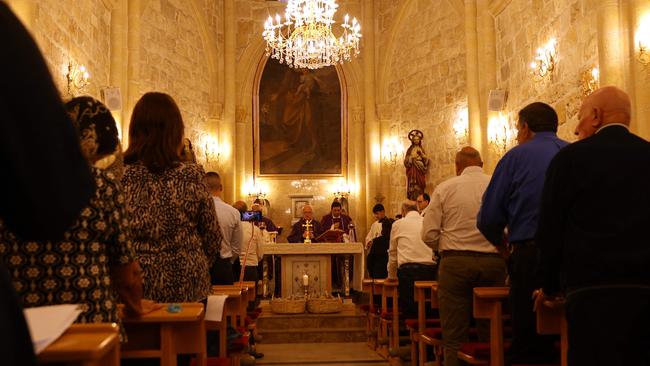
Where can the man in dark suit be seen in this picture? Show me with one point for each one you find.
(593, 235)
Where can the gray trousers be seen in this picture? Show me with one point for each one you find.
(458, 274)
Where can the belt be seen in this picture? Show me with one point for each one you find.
(416, 265)
(467, 253)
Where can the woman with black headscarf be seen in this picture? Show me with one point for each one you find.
(95, 256)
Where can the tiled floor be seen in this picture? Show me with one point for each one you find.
(313, 354)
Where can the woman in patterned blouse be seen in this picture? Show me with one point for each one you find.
(95, 253)
(176, 233)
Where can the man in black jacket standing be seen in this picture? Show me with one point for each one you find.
(593, 235)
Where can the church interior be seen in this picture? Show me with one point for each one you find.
(379, 122)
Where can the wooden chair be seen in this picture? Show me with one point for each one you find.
(551, 320)
(165, 335)
(488, 305)
(96, 344)
(238, 320)
(428, 336)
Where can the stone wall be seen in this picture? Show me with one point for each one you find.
(173, 60)
(525, 25)
(77, 31)
(426, 89)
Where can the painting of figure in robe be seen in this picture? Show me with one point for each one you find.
(299, 129)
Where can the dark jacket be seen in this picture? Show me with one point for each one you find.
(378, 257)
(595, 212)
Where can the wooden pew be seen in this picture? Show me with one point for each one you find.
(367, 287)
(551, 320)
(241, 294)
(163, 334)
(234, 307)
(389, 322)
(488, 305)
(424, 339)
(96, 344)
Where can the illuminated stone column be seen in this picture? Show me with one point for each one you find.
(610, 36)
(473, 86)
(373, 158)
(640, 12)
(120, 63)
(228, 126)
(487, 60)
(132, 93)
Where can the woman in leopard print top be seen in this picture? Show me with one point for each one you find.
(175, 230)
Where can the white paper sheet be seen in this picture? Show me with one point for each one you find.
(214, 311)
(47, 323)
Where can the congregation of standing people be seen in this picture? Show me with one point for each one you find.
(558, 220)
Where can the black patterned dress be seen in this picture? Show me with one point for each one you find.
(175, 231)
(76, 269)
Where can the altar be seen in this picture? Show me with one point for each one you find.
(298, 259)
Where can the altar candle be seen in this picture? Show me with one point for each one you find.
(305, 280)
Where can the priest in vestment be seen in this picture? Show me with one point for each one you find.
(336, 219)
(298, 229)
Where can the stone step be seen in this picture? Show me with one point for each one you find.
(339, 354)
(313, 335)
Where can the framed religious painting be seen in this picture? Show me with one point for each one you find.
(300, 122)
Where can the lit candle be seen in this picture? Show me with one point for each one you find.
(305, 280)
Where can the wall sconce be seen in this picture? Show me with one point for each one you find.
(461, 125)
(499, 133)
(341, 189)
(643, 40)
(78, 79)
(210, 149)
(391, 150)
(544, 64)
(590, 81)
(255, 191)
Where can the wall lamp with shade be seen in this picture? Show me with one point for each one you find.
(461, 125)
(78, 78)
(209, 148)
(391, 151)
(499, 133)
(590, 81)
(544, 64)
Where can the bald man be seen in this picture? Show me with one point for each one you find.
(468, 259)
(593, 235)
(298, 230)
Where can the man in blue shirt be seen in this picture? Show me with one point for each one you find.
(512, 201)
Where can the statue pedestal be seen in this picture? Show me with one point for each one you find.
(315, 260)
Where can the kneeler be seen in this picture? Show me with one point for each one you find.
(421, 290)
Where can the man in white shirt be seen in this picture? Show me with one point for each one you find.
(251, 251)
(375, 229)
(231, 233)
(468, 259)
(409, 259)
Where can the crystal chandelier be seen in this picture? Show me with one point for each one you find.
(305, 38)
